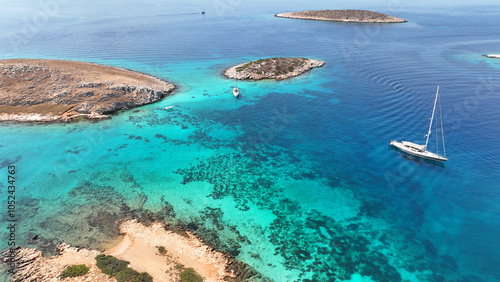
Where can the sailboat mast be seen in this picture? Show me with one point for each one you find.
(442, 131)
(437, 137)
(432, 118)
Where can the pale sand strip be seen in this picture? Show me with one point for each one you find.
(140, 246)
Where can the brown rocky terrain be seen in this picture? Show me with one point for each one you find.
(55, 90)
(31, 265)
(272, 68)
(139, 246)
(358, 16)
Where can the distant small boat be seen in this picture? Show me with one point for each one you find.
(236, 91)
(203, 11)
(421, 150)
(169, 108)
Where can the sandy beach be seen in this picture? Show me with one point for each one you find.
(140, 246)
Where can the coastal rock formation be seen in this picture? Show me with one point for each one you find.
(272, 68)
(139, 246)
(358, 16)
(31, 265)
(493, 56)
(54, 90)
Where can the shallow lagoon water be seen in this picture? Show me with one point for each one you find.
(296, 178)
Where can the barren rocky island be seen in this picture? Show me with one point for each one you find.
(272, 68)
(359, 16)
(55, 90)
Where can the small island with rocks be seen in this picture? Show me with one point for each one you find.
(272, 68)
(35, 90)
(493, 56)
(357, 16)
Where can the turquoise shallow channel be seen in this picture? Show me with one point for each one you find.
(295, 178)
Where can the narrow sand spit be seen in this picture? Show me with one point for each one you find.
(140, 245)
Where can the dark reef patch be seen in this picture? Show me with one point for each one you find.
(6, 162)
(76, 151)
(308, 241)
(200, 134)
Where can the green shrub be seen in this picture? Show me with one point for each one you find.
(143, 277)
(118, 268)
(110, 265)
(161, 249)
(190, 275)
(179, 266)
(126, 274)
(74, 271)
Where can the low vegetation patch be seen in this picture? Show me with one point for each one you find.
(190, 275)
(143, 277)
(74, 271)
(161, 250)
(126, 275)
(120, 270)
(110, 265)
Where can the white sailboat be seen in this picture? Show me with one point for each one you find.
(236, 91)
(421, 150)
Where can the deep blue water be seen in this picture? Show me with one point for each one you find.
(300, 168)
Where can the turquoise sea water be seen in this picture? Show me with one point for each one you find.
(296, 178)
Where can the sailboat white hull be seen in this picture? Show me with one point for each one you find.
(415, 150)
(236, 93)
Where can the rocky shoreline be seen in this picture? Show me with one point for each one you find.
(139, 246)
(272, 68)
(357, 16)
(31, 265)
(35, 90)
(493, 56)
